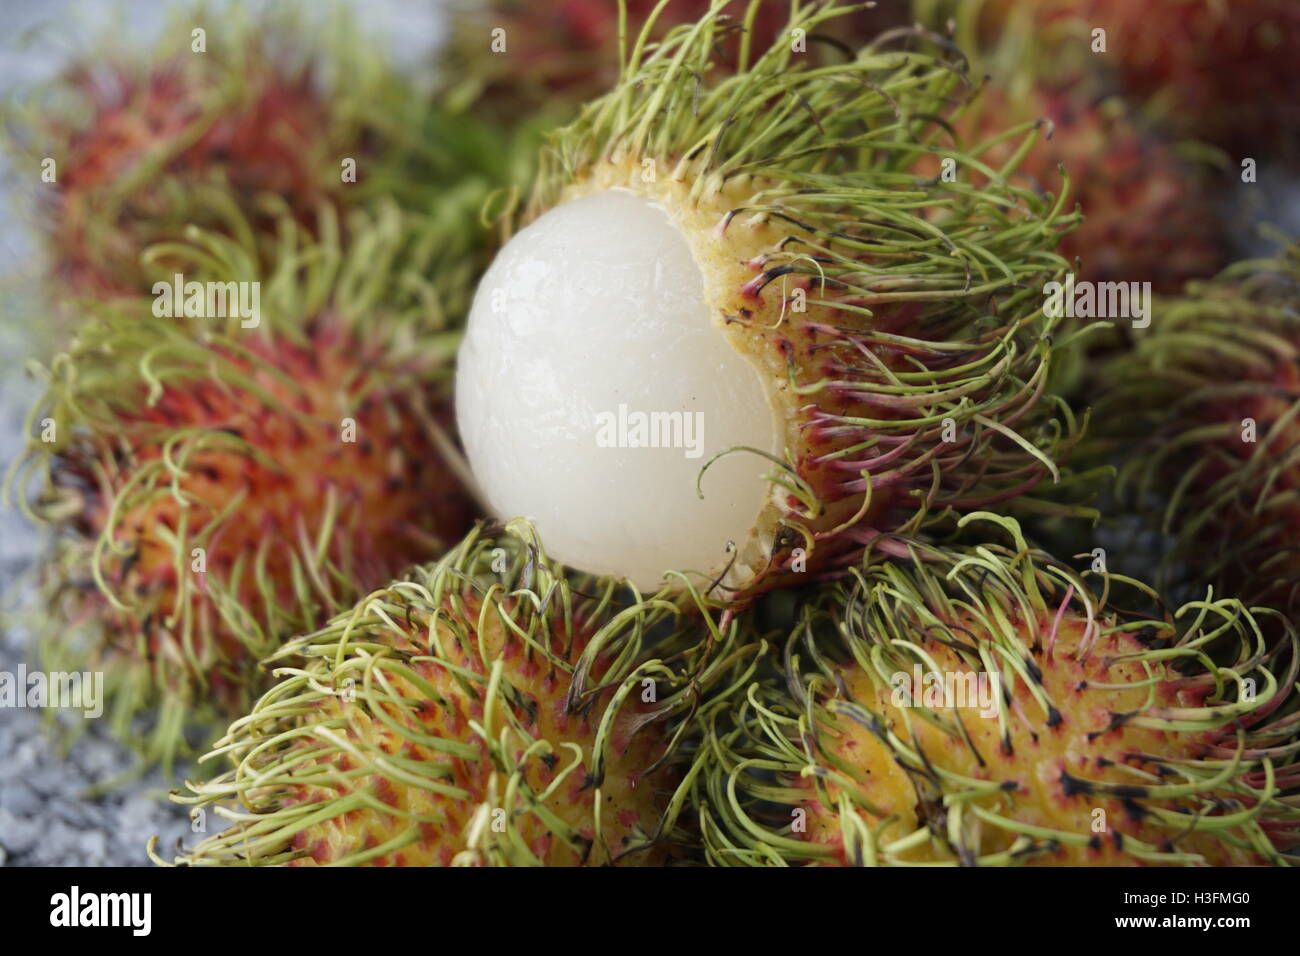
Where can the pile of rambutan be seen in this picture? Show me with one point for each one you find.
(691, 488)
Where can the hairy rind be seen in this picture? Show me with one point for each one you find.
(1201, 69)
(557, 58)
(407, 147)
(789, 172)
(605, 640)
(1172, 414)
(763, 751)
(400, 285)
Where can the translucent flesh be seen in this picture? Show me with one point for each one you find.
(589, 342)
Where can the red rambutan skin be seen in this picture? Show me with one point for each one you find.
(1257, 525)
(1199, 417)
(128, 168)
(570, 49)
(1219, 71)
(1237, 516)
(1148, 215)
(269, 468)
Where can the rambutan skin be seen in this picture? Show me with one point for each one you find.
(1101, 741)
(1147, 214)
(276, 117)
(1219, 72)
(558, 55)
(446, 711)
(258, 142)
(264, 470)
(214, 490)
(136, 143)
(443, 722)
(1048, 773)
(1200, 418)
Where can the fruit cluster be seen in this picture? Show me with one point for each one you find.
(683, 433)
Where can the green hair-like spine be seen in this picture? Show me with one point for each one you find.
(408, 147)
(504, 572)
(400, 285)
(833, 151)
(754, 747)
(1172, 415)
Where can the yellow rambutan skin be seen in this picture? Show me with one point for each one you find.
(469, 794)
(1043, 768)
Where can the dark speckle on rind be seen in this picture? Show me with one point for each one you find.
(1136, 812)
(1129, 791)
(1072, 786)
(1116, 721)
(1146, 636)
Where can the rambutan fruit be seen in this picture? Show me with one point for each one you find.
(1201, 418)
(272, 117)
(516, 57)
(981, 705)
(1152, 208)
(485, 710)
(739, 328)
(215, 486)
(1209, 69)
(1147, 213)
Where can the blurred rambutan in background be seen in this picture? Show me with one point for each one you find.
(217, 485)
(273, 117)
(516, 57)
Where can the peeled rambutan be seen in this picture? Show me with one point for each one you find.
(981, 705)
(1201, 418)
(216, 485)
(739, 327)
(486, 710)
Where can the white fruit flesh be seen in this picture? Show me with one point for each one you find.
(590, 335)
